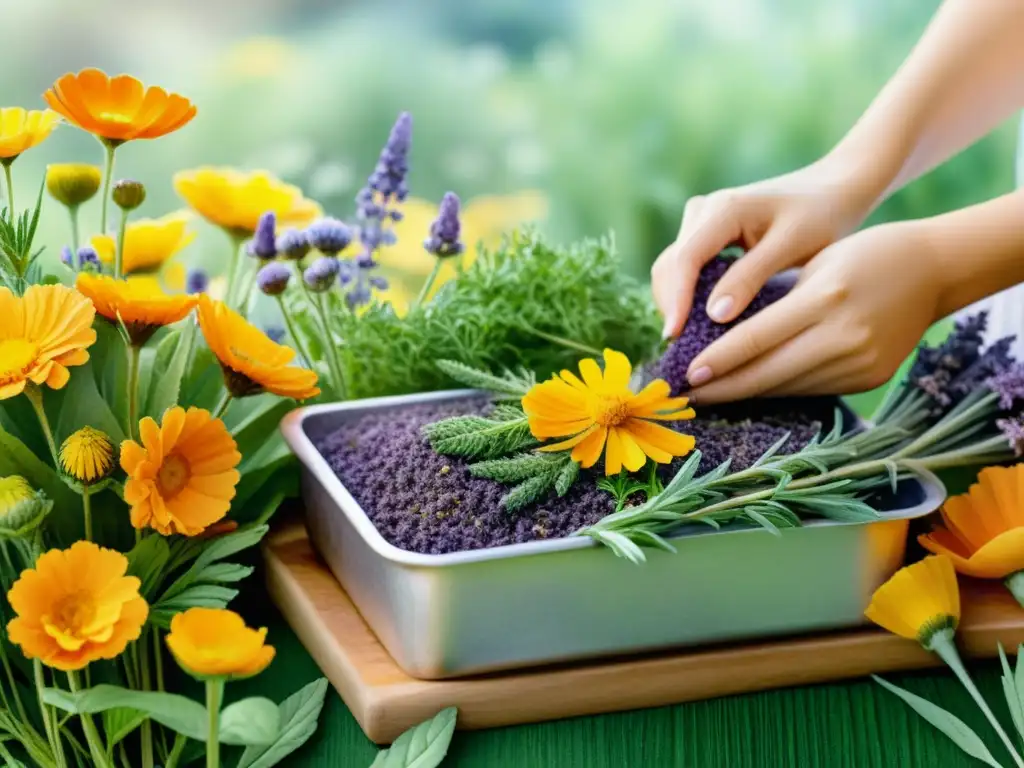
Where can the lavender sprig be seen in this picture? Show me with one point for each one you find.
(444, 240)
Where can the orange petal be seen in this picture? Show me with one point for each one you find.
(566, 444)
(661, 437)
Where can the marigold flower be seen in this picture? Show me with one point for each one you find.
(139, 303)
(76, 606)
(22, 508)
(72, 184)
(601, 413)
(251, 362)
(149, 244)
(118, 109)
(919, 601)
(42, 334)
(215, 642)
(87, 455)
(235, 200)
(182, 478)
(22, 129)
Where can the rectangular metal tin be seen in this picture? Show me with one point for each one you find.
(550, 601)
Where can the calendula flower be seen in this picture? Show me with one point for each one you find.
(76, 606)
(72, 184)
(22, 508)
(118, 109)
(42, 334)
(215, 642)
(182, 477)
(235, 200)
(601, 413)
(137, 302)
(87, 455)
(22, 129)
(149, 244)
(919, 601)
(251, 362)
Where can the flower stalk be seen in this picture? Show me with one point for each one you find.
(108, 172)
(134, 353)
(10, 187)
(35, 396)
(214, 698)
(122, 229)
(49, 717)
(87, 512)
(92, 736)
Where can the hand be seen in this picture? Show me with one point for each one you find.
(782, 222)
(857, 311)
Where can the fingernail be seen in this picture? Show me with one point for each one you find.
(667, 331)
(719, 311)
(701, 376)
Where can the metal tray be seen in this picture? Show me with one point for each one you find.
(541, 602)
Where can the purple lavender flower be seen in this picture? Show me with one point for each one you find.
(329, 236)
(1009, 385)
(365, 260)
(273, 278)
(359, 295)
(388, 178)
(67, 258)
(275, 333)
(293, 244)
(1013, 431)
(321, 274)
(445, 231)
(263, 244)
(378, 282)
(197, 281)
(88, 258)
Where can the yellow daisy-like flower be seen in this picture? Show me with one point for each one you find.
(139, 303)
(182, 478)
(601, 413)
(918, 601)
(148, 243)
(72, 184)
(76, 606)
(118, 109)
(42, 334)
(22, 129)
(251, 362)
(14, 490)
(87, 455)
(234, 200)
(216, 643)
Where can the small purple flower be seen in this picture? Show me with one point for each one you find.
(67, 258)
(329, 236)
(321, 274)
(446, 229)
(378, 282)
(275, 333)
(1013, 431)
(197, 281)
(388, 178)
(359, 295)
(365, 260)
(1009, 385)
(293, 244)
(88, 257)
(263, 244)
(346, 271)
(273, 278)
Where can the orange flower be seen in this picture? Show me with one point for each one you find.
(984, 528)
(919, 601)
(118, 109)
(601, 413)
(139, 303)
(214, 642)
(251, 362)
(41, 334)
(182, 478)
(76, 606)
(22, 129)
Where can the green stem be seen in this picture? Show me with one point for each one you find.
(296, 339)
(107, 176)
(1015, 583)
(222, 406)
(568, 343)
(331, 352)
(52, 735)
(119, 252)
(87, 513)
(73, 215)
(233, 265)
(10, 188)
(246, 293)
(133, 391)
(9, 672)
(176, 750)
(35, 396)
(92, 736)
(942, 645)
(425, 290)
(214, 697)
(147, 724)
(946, 426)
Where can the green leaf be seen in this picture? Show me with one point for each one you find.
(167, 371)
(178, 713)
(250, 721)
(423, 746)
(507, 384)
(119, 722)
(196, 596)
(203, 382)
(566, 477)
(298, 714)
(16, 459)
(1013, 689)
(146, 561)
(224, 573)
(217, 549)
(951, 726)
(80, 404)
(261, 425)
(109, 361)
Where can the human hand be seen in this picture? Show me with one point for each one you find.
(856, 312)
(781, 222)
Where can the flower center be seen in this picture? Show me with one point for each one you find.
(610, 410)
(173, 475)
(16, 359)
(73, 613)
(120, 118)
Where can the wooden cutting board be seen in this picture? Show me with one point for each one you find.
(385, 700)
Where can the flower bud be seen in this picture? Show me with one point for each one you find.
(22, 509)
(329, 236)
(72, 184)
(87, 456)
(445, 231)
(293, 244)
(197, 281)
(67, 258)
(321, 274)
(262, 245)
(88, 258)
(273, 278)
(129, 195)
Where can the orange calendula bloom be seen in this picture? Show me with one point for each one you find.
(234, 200)
(601, 413)
(251, 362)
(118, 109)
(215, 642)
(76, 606)
(42, 334)
(984, 528)
(918, 601)
(148, 243)
(22, 129)
(182, 478)
(139, 303)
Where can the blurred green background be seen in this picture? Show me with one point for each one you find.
(616, 111)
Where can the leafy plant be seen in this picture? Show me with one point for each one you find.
(18, 267)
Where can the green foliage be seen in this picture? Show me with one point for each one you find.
(423, 746)
(298, 715)
(504, 431)
(508, 384)
(1013, 688)
(623, 485)
(533, 476)
(18, 268)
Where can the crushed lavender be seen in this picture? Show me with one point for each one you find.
(424, 502)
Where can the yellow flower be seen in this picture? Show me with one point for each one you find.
(22, 509)
(76, 606)
(214, 642)
(87, 455)
(148, 243)
(251, 362)
(918, 601)
(984, 528)
(601, 410)
(234, 200)
(22, 129)
(72, 184)
(182, 478)
(13, 491)
(41, 335)
(118, 109)
(139, 303)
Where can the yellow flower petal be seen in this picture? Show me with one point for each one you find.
(591, 373)
(633, 456)
(588, 451)
(918, 600)
(617, 370)
(660, 437)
